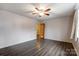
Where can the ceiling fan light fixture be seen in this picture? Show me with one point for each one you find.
(41, 14)
(41, 11)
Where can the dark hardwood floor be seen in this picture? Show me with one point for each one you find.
(48, 48)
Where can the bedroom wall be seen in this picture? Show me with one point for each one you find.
(59, 29)
(15, 29)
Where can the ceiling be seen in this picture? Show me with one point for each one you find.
(24, 9)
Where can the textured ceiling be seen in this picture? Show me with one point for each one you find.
(57, 9)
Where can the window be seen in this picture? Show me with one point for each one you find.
(77, 29)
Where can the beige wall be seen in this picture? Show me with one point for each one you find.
(59, 29)
(15, 29)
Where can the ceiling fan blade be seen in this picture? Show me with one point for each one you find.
(37, 9)
(47, 14)
(47, 10)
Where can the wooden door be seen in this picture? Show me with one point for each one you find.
(40, 34)
(40, 30)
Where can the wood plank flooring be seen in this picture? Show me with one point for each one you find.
(48, 48)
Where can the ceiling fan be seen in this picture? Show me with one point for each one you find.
(41, 12)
